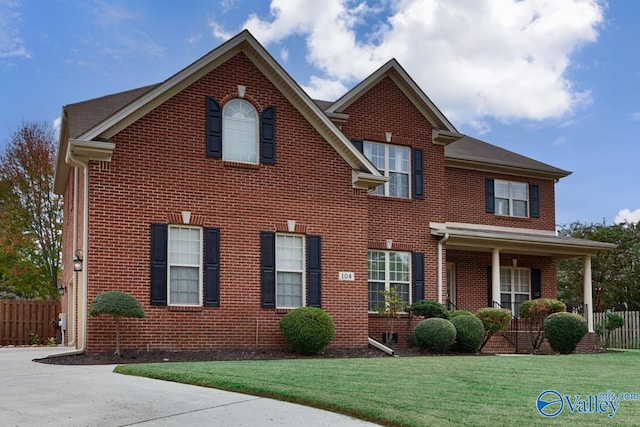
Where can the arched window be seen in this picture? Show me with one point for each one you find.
(240, 132)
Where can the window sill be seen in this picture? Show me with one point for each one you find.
(240, 165)
(185, 308)
(396, 199)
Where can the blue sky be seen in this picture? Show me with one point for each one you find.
(558, 81)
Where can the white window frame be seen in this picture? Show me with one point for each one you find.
(387, 274)
(171, 264)
(385, 169)
(512, 292)
(228, 135)
(511, 198)
(302, 271)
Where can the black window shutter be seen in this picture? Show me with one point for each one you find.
(489, 287)
(268, 269)
(214, 128)
(534, 200)
(489, 196)
(418, 173)
(418, 276)
(268, 136)
(211, 267)
(536, 283)
(314, 271)
(358, 144)
(159, 235)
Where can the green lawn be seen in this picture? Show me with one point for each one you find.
(426, 391)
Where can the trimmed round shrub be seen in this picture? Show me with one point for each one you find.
(454, 313)
(428, 309)
(495, 319)
(308, 329)
(564, 331)
(469, 333)
(435, 334)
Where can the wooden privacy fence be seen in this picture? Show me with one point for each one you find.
(22, 320)
(626, 337)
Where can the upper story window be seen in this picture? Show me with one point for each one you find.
(392, 161)
(185, 255)
(512, 198)
(235, 133)
(388, 270)
(240, 132)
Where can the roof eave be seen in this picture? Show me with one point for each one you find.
(504, 169)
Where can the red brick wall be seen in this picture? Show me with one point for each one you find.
(466, 200)
(159, 168)
(384, 108)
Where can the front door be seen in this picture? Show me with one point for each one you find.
(451, 286)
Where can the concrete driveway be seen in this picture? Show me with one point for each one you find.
(36, 394)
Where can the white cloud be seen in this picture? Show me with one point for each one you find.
(627, 215)
(11, 44)
(284, 54)
(326, 89)
(107, 14)
(194, 39)
(56, 127)
(476, 59)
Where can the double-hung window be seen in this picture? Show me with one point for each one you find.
(185, 265)
(393, 161)
(290, 273)
(240, 132)
(388, 270)
(515, 287)
(511, 198)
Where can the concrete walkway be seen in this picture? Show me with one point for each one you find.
(37, 394)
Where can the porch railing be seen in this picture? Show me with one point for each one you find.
(513, 331)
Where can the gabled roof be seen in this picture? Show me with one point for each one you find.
(444, 131)
(365, 175)
(471, 153)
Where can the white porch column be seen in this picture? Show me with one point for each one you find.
(588, 293)
(495, 276)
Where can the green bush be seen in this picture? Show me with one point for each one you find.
(535, 312)
(469, 333)
(117, 304)
(308, 329)
(495, 319)
(454, 313)
(428, 309)
(435, 334)
(564, 331)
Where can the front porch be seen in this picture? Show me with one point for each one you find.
(489, 266)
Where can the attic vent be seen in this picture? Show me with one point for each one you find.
(105, 166)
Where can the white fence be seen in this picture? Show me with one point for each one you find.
(626, 337)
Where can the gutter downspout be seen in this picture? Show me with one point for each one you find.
(74, 161)
(441, 243)
(382, 347)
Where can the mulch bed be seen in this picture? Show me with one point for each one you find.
(157, 356)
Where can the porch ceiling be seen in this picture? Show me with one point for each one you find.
(471, 237)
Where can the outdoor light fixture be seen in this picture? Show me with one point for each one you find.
(77, 261)
(61, 288)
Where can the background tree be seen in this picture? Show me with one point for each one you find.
(615, 274)
(30, 214)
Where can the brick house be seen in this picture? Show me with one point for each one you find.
(225, 196)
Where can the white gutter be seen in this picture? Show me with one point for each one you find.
(441, 243)
(381, 346)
